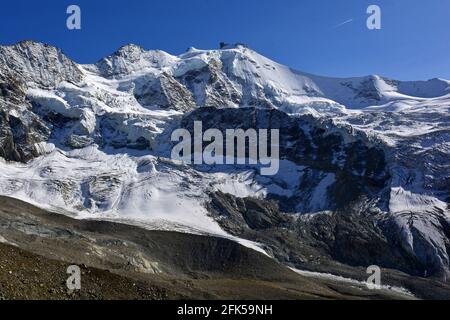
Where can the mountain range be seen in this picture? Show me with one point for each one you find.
(364, 173)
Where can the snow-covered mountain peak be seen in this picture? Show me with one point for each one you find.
(247, 76)
(38, 64)
(131, 59)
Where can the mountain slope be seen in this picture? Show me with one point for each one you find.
(124, 262)
(94, 141)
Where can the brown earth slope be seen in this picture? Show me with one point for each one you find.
(120, 261)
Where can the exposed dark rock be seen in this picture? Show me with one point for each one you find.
(78, 142)
(349, 237)
(19, 136)
(354, 232)
(359, 170)
(218, 90)
(42, 64)
(165, 92)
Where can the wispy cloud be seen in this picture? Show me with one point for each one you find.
(342, 23)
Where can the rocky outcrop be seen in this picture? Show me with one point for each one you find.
(351, 177)
(23, 65)
(354, 169)
(347, 236)
(20, 137)
(210, 86)
(360, 187)
(132, 58)
(40, 64)
(165, 92)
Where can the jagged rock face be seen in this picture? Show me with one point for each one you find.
(240, 214)
(212, 86)
(352, 168)
(22, 65)
(42, 65)
(164, 91)
(132, 58)
(20, 136)
(11, 89)
(351, 234)
(367, 90)
(156, 86)
(113, 130)
(360, 187)
(352, 238)
(20, 129)
(354, 176)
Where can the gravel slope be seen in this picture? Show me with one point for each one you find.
(126, 262)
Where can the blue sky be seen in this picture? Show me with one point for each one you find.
(414, 42)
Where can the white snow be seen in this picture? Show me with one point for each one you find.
(402, 200)
(319, 196)
(247, 183)
(90, 184)
(5, 241)
(352, 282)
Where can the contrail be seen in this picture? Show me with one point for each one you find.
(342, 23)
